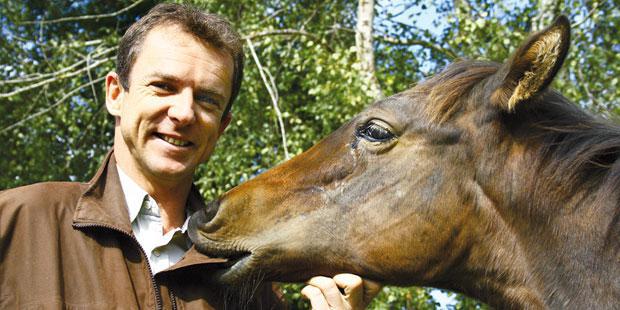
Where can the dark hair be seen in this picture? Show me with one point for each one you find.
(209, 28)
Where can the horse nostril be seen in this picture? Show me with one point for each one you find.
(211, 210)
(200, 220)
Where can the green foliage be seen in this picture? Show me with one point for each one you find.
(292, 296)
(404, 298)
(390, 298)
(59, 130)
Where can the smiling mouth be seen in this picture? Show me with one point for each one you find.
(173, 141)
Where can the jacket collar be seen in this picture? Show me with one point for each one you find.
(103, 204)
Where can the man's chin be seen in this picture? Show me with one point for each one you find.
(170, 170)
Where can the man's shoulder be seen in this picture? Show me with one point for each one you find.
(42, 194)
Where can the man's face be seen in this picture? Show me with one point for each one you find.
(171, 116)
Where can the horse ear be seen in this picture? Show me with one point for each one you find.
(533, 66)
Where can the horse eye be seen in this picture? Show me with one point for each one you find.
(374, 132)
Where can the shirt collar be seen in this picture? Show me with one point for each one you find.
(186, 223)
(134, 194)
(134, 197)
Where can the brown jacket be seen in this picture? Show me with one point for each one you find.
(70, 246)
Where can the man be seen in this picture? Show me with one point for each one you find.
(119, 241)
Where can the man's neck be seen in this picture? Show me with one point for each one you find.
(171, 208)
(171, 197)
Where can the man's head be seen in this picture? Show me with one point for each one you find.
(209, 28)
(171, 97)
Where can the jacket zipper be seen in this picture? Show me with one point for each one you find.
(158, 298)
(173, 300)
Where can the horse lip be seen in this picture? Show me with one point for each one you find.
(198, 231)
(235, 263)
(234, 258)
(230, 273)
(212, 249)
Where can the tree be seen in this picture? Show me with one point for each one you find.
(316, 71)
(365, 48)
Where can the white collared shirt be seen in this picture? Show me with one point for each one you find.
(162, 250)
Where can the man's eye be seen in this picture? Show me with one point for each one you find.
(207, 100)
(162, 86)
(374, 132)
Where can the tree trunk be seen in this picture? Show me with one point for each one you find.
(365, 49)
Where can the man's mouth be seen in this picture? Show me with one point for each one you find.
(173, 141)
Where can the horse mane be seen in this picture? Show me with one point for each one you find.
(446, 90)
(576, 152)
(575, 146)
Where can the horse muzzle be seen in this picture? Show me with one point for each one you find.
(201, 219)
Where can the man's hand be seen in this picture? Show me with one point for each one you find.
(325, 293)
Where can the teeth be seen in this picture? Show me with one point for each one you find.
(174, 141)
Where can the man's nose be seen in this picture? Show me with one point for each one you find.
(181, 110)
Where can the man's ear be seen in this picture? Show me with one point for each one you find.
(225, 122)
(533, 66)
(113, 94)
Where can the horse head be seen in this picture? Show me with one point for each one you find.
(449, 184)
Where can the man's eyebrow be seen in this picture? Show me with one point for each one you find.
(199, 90)
(163, 76)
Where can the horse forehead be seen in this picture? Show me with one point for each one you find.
(401, 105)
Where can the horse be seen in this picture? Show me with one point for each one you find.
(481, 180)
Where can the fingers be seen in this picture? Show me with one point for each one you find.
(317, 300)
(371, 289)
(324, 292)
(353, 289)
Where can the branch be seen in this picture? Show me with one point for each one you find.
(65, 97)
(593, 100)
(461, 6)
(437, 48)
(83, 134)
(544, 15)
(54, 74)
(54, 79)
(272, 15)
(303, 26)
(83, 17)
(90, 78)
(287, 32)
(273, 94)
(388, 39)
(405, 8)
(576, 24)
(281, 32)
